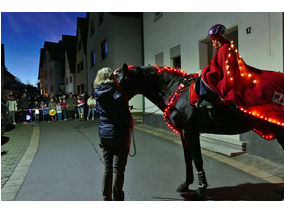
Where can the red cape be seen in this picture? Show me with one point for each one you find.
(257, 92)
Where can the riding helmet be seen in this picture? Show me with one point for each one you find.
(216, 29)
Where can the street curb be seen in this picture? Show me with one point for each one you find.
(222, 158)
(13, 185)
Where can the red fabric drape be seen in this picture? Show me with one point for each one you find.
(256, 91)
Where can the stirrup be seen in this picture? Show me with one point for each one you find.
(203, 103)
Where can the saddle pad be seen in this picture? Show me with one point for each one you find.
(193, 97)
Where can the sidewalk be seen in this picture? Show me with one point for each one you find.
(13, 151)
(16, 158)
(262, 168)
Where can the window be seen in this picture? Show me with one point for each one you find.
(101, 18)
(78, 89)
(92, 27)
(175, 56)
(159, 59)
(206, 51)
(70, 79)
(78, 67)
(93, 59)
(82, 88)
(66, 81)
(176, 62)
(79, 45)
(104, 49)
(82, 65)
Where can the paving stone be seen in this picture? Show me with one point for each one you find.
(19, 139)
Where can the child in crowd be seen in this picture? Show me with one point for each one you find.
(64, 108)
(91, 104)
(59, 111)
(52, 109)
(36, 107)
(80, 101)
(12, 106)
(45, 114)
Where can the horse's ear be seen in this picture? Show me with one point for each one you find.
(125, 68)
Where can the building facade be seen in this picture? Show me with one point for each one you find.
(51, 69)
(114, 39)
(180, 40)
(81, 78)
(70, 53)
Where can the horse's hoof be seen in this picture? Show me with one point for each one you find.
(183, 188)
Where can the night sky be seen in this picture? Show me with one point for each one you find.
(23, 34)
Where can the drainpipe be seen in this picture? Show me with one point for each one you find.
(143, 61)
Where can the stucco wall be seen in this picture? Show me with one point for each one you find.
(263, 48)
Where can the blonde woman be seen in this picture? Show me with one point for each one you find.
(115, 122)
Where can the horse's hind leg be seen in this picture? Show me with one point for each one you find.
(280, 137)
(183, 188)
(194, 143)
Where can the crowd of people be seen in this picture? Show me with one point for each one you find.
(27, 109)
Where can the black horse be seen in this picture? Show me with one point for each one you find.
(158, 84)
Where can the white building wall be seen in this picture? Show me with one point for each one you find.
(69, 88)
(263, 48)
(124, 46)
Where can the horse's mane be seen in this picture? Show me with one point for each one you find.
(170, 70)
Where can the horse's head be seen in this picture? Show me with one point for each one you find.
(127, 79)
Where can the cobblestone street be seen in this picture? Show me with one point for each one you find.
(13, 151)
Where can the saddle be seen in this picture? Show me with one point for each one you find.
(208, 98)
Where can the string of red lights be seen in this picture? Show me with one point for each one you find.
(243, 72)
(167, 111)
(246, 74)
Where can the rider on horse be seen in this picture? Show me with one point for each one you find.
(237, 83)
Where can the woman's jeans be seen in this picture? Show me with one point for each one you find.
(115, 153)
(91, 109)
(12, 115)
(81, 112)
(59, 116)
(64, 111)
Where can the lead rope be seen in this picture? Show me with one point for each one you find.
(134, 145)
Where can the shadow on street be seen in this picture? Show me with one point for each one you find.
(244, 192)
(4, 140)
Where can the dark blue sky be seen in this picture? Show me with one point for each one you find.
(23, 34)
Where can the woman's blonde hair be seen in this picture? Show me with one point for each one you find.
(103, 77)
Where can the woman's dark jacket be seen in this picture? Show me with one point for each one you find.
(115, 117)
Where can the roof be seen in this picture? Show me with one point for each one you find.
(82, 27)
(40, 61)
(127, 14)
(55, 50)
(2, 55)
(70, 47)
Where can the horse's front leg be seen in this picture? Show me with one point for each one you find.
(193, 140)
(183, 188)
